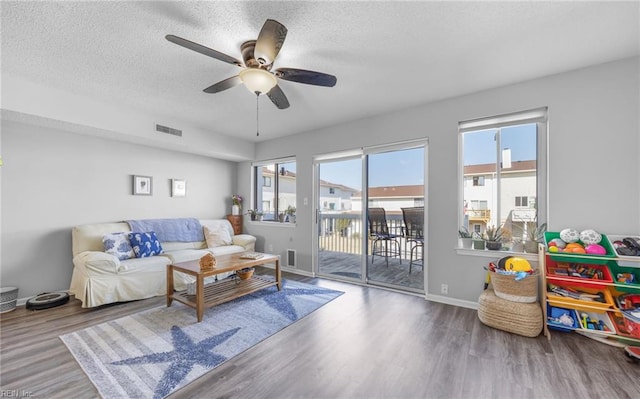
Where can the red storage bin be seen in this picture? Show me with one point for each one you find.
(578, 274)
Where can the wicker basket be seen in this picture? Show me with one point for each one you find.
(519, 318)
(507, 287)
(245, 274)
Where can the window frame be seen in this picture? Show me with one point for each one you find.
(258, 184)
(539, 116)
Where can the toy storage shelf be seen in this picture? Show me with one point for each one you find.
(590, 301)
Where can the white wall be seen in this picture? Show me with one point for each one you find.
(53, 179)
(114, 121)
(593, 140)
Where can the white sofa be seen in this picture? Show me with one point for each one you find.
(100, 278)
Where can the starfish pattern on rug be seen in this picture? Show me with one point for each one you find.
(279, 300)
(185, 355)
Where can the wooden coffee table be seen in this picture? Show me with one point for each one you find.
(221, 291)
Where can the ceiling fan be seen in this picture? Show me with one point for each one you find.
(258, 56)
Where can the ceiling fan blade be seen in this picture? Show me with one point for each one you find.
(276, 95)
(223, 85)
(203, 50)
(307, 77)
(270, 41)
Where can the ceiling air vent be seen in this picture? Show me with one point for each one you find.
(168, 130)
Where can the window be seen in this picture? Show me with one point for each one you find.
(275, 187)
(504, 157)
(478, 180)
(332, 190)
(522, 201)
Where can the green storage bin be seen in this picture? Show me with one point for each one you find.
(580, 258)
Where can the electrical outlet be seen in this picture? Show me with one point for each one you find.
(270, 247)
(444, 289)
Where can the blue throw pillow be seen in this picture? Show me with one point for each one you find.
(145, 244)
(118, 244)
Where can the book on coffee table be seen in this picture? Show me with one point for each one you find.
(251, 255)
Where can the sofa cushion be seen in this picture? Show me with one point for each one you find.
(88, 237)
(145, 244)
(217, 224)
(118, 245)
(151, 264)
(216, 238)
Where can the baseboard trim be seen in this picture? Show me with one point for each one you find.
(452, 301)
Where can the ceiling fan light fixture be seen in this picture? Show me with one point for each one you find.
(258, 80)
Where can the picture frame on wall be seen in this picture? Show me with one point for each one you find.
(142, 185)
(178, 188)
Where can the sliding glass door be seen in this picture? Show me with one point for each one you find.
(370, 216)
(339, 222)
(396, 217)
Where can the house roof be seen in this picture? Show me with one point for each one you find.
(409, 191)
(489, 168)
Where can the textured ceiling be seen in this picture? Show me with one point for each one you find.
(386, 55)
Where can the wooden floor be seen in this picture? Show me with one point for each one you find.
(368, 343)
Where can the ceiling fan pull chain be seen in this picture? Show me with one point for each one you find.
(257, 119)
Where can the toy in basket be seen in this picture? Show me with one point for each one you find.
(513, 279)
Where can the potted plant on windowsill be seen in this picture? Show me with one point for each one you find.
(535, 235)
(478, 241)
(494, 237)
(255, 215)
(464, 238)
(291, 213)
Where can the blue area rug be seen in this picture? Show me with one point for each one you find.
(156, 352)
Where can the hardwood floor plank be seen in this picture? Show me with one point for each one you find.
(367, 343)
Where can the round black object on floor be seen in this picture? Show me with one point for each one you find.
(47, 300)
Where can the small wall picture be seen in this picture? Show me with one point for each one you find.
(142, 185)
(178, 188)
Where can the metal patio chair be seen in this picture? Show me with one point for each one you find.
(414, 233)
(384, 243)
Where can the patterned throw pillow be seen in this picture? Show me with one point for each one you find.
(145, 244)
(216, 238)
(118, 245)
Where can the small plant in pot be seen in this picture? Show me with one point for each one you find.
(254, 214)
(478, 241)
(494, 237)
(291, 213)
(535, 234)
(464, 238)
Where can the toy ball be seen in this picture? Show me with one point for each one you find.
(569, 235)
(557, 242)
(590, 237)
(595, 249)
(514, 263)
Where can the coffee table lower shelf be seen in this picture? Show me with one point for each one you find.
(225, 291)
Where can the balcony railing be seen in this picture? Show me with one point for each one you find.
(479, 214)
(344, 232)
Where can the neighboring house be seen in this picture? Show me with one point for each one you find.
(518, 195)
(392, 198)
(287, 191)
(335, 197)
